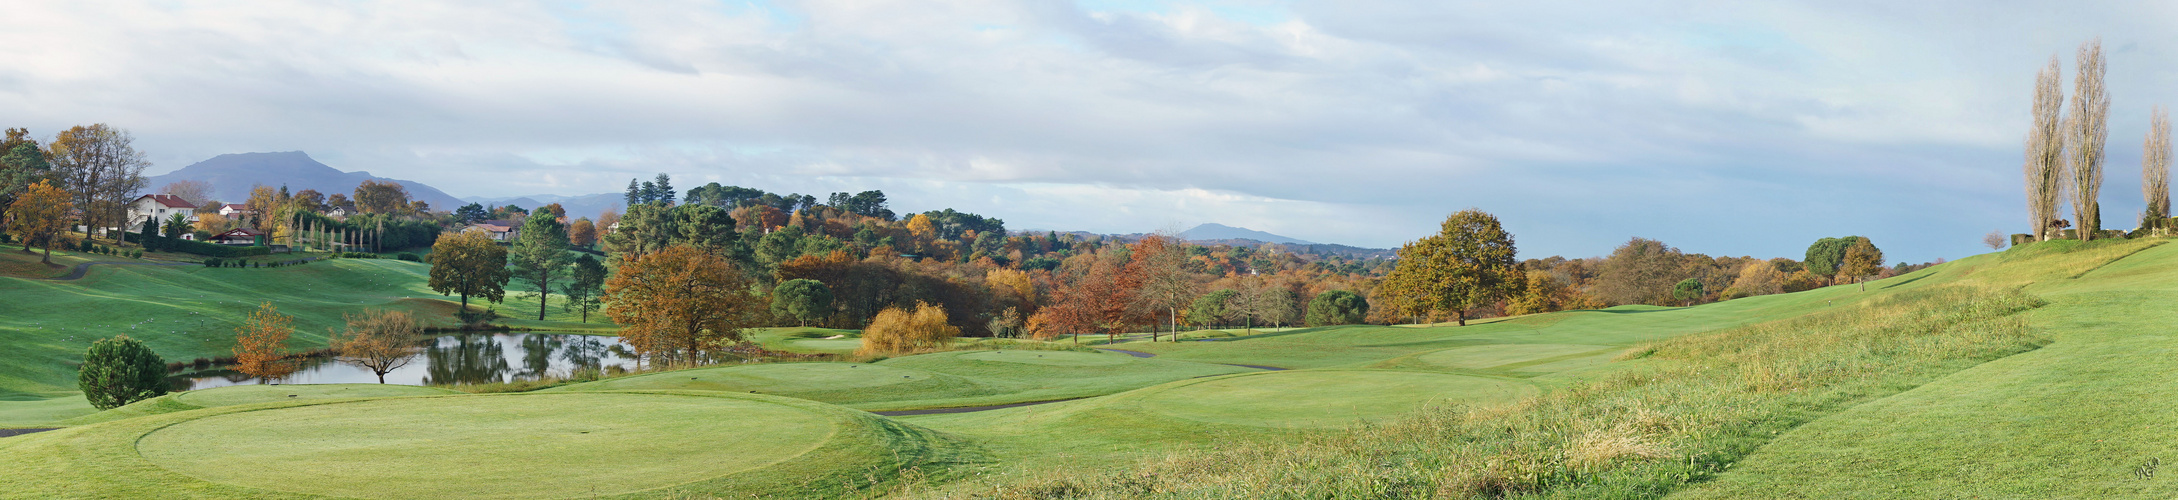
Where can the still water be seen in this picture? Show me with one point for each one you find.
(456, 359)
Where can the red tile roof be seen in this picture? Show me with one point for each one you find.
(170, 201)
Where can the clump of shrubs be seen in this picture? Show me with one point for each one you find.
(897, 331)
(409, 257)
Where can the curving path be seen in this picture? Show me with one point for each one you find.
(19, 432)
(85, 268)
(966, 409)
(1140, 354)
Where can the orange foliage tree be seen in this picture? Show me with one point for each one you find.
(680, 303)
(261, 343)
(39, 216)
(896, 331)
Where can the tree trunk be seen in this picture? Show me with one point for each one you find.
(542, 297)
(1462, 315)
(48, 253)
(381, 377)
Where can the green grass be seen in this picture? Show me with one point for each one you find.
(945, 379)
(640, 445)
(252, 394)
(16, 264)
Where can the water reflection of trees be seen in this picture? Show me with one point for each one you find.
(537, 355)
(467, 359)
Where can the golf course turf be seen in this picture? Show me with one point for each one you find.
(640, 444)
(2035, 372)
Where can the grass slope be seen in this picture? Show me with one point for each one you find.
(2087, 416)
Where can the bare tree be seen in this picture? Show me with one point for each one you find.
(2089, 131)
(381, 341)
(2155, 172)
(2046, 151)
(1995, 240)
(101, 169)
(194, 191)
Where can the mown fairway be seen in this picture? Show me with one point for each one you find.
(2081, 416)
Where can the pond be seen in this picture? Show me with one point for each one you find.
(474, 358)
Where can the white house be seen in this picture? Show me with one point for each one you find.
(231, 210)
(159, 207)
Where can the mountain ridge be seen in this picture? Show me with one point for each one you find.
(232, 175)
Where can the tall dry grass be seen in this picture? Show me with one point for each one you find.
(1709, 400)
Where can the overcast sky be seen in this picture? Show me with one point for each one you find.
(1739, 128)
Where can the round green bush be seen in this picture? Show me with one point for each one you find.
(119, 371)
(1337, 307)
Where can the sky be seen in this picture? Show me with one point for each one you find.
(1726, 128)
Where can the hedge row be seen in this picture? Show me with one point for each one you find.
(209, 249)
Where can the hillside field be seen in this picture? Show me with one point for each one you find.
(2031, 373)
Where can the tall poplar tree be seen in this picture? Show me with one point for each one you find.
(2089, 130)
(2155, 172)
(2045, 165)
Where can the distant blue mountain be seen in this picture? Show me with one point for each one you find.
(232, 176)
(1215, 231)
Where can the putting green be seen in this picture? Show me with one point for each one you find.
(525, 446)
(1487, 356)
(250, 394)
(778, 378)
(1048, 358)
(1321, 398)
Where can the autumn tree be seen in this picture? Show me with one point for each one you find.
(803, 300)
(101, 168)
(1159, 268)
(2045, 163)
(1337, 307)
(540, 258)
(39, 216)
(1756, 279)
(1640, 272)
(469, 263)
(119, 371)
(1542, 292)
(582, 233)
(680, 302)
(585, 285)
(373, 197)
(379, 341)
(1862, 260)
(2155, 173)
(261, 343)
(896, 331)
(1468, 264)
(263, 201)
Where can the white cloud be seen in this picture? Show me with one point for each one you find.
(1725, 128)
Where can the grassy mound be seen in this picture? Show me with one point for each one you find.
(637, 444)
(1320, 398)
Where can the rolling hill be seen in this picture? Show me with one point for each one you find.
(232, 175)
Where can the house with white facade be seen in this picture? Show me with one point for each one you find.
(159, 207)
(231, 210)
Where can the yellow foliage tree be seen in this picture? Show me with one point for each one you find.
(680, 303)
(896, 331)
(261, 343)
(39, 216)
